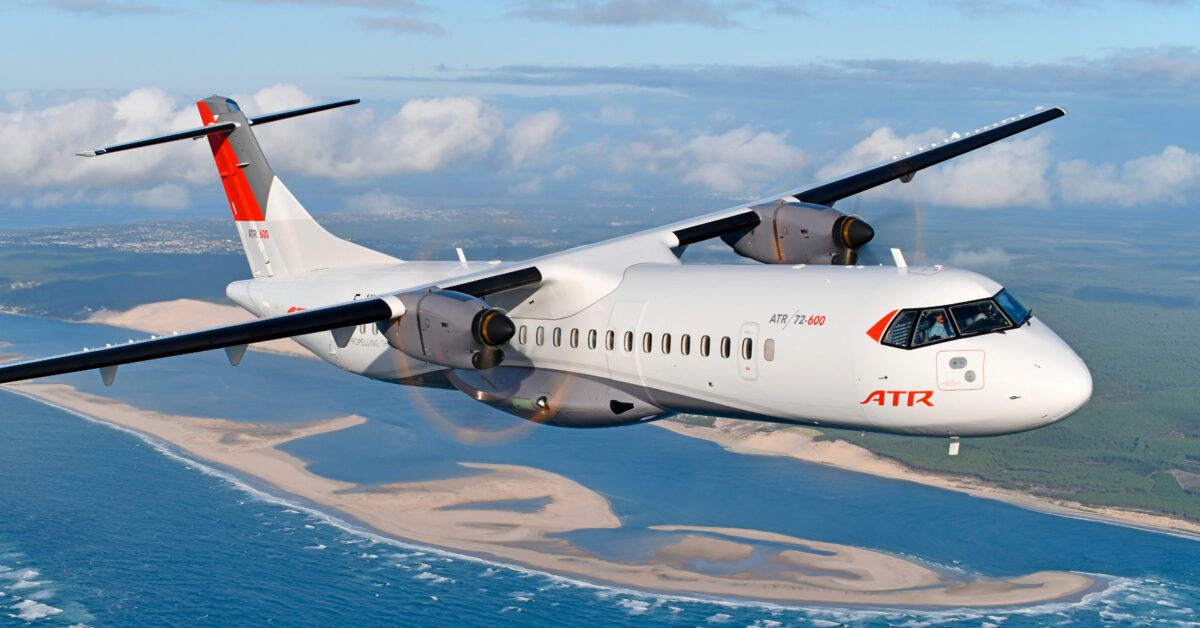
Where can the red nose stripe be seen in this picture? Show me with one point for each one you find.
(876, 331)
(237, 188)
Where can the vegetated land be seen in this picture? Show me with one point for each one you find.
(1129, 303)
(1124, 292)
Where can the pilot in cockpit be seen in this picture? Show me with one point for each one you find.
(940, 329)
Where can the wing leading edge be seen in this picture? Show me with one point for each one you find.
(345, 315)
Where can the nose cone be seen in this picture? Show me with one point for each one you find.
(1059, 384)
(1072, 385)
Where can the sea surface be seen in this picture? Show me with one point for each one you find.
(103, 527)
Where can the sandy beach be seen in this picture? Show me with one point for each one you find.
(467, 514)
(800, 443)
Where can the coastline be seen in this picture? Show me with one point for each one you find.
(465, 514)
(799, 443)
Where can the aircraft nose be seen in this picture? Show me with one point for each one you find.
(1055, 384)
(1072, 385)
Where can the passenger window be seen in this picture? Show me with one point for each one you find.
(574, 338)
(747, 348)
(666, 344)
(592, 339)
(726, 345)
(769, 350)
(933, 326)
(647, 342)
(704, 346)
(628, 342)
(897, 334)
(610, 340)
(978, 317)
(557, 337)
(685, 344)
(523, 335)
(540, 336)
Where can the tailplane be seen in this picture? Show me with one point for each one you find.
(278, 234)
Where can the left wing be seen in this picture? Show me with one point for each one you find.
(233, 338)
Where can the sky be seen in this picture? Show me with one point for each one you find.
(702, 103)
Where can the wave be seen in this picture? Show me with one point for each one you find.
(31, 611)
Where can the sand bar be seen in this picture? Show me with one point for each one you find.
(800, 443)
(453, 513)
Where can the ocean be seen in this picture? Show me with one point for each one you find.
(100, 526)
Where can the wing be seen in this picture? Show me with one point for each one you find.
(899, 167)
(235, 337)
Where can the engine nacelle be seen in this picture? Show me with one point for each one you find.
(555, 398)
(450, 329)
(801, 233)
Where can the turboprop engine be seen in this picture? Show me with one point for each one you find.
(450, 329)
(801, 233)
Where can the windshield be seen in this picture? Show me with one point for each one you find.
(1013, 308)
(978, 317)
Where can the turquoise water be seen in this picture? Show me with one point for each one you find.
(102, 527)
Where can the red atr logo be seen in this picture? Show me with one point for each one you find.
(893, 398)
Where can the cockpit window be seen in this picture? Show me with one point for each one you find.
(978, 317)
(897, 334)
(933, 326)
(1015, 310)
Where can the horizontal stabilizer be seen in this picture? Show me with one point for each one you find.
(201, 131)
(292, 113)
(284, 326)
(220, 127)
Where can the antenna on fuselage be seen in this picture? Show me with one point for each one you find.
(898, 257)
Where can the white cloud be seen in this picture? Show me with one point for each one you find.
(165, 196)
(737, 161)
(38, 162)
(1010, 173)
(39, 166)
(1171, 177)
(531, 135)
(980, 259)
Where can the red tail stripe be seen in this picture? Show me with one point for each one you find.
(237, 189)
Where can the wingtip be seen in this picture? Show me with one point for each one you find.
(1062, 109)
(87, 153)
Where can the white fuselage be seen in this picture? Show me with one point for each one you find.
(783, 343)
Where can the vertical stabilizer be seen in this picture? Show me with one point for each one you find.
(278, 234)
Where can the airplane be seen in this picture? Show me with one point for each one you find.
(622, 331)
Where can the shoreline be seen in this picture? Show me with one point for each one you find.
(453, 513)
(799, 443)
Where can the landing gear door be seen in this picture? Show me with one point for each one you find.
(747, 351)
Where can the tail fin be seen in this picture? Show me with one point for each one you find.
(278, 235)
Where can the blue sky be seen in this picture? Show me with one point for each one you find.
(507, 103)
